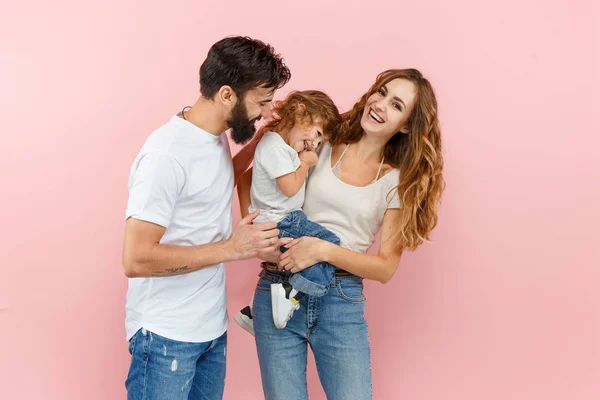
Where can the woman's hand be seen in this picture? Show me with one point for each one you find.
(273, 256)
(303, 253)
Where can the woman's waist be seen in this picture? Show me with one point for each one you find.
(272, 272)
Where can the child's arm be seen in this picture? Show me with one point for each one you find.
(291, 183)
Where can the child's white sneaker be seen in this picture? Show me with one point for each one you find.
(283, 303)
(244, 319)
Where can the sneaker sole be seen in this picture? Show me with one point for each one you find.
(239, 319)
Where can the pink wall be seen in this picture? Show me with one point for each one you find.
(504, 305)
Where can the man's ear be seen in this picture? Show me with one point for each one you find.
(226, 96)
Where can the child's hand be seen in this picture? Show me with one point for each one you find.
(310, 157)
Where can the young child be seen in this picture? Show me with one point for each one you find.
(286, 152)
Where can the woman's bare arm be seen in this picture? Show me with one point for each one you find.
(307, 251)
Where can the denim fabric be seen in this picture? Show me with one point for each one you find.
(334, 327)
(314, 280)
(165, 369)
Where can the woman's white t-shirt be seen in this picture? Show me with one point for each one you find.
(354, 213)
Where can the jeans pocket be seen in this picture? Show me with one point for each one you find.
(350, 289)
(132, 344)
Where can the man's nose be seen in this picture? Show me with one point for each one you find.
(267, 111)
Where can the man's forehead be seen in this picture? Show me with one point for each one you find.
(262, 92)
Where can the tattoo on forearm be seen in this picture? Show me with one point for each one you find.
(172, 271)
(176, 270)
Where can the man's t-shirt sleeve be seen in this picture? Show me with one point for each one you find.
(154, 186)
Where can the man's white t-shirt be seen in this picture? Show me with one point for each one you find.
(182, 179)
(273, 158)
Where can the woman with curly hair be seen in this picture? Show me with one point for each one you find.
(381, 172)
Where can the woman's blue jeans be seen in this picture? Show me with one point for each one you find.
(335, 328)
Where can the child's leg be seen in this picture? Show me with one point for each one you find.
(285, 299)
(315, 280)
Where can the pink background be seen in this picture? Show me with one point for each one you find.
(504, 305)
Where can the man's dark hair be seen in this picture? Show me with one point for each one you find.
(242, 63)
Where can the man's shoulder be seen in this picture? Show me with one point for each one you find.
(183, 143)
(162, 138)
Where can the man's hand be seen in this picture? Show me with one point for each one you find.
(250, 240)
(273, 256)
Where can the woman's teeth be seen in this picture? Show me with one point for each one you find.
(375, 116)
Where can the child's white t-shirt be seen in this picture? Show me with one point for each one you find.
(273, 158)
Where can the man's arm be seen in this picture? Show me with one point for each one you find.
(243, 189)
(242, 160)
(144, 256)
(244, 157)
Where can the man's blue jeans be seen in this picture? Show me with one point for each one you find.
(165, 369)
(314, 280)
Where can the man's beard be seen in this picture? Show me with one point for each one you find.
(242, 129)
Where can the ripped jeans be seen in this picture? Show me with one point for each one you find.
(165, 369)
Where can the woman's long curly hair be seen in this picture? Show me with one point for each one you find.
(417, 154)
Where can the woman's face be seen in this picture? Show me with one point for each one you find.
(388, 109)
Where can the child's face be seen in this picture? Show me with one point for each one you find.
(307, 137)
